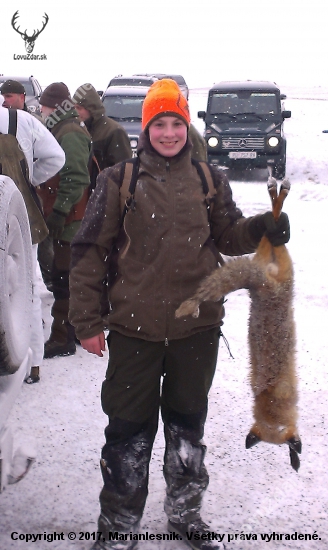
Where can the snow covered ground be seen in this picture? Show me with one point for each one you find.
(251, 491)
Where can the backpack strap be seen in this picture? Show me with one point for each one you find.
(12, 126)
(205, 173)
(12, 130)
(94, 170)
(129, 178)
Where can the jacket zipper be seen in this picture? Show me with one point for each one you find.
(168, 171)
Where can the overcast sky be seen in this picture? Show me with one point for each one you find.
(204, 40)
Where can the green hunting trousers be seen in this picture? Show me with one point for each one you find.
(142, 378)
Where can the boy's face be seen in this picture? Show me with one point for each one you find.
(168, 135)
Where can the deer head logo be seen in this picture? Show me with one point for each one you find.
(29, 40)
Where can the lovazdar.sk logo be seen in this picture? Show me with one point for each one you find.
(29, 39)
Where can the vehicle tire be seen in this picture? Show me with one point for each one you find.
(279, 170)
(15, 278)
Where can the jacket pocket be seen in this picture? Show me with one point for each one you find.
(133, 297)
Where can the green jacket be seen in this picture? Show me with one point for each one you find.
(157, 259)
(110, 142)
(74, 176)
(199, 149)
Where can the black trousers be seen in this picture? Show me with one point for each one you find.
(143, 377)
(61, 329)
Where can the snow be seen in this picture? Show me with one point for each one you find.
(251, 491)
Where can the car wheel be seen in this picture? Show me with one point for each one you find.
(15, 278)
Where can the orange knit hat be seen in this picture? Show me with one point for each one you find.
(164, 97)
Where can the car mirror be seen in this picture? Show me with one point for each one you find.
(201, 114)
(283, 96)
(286, 114)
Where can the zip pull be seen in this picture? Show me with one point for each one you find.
(166, 342)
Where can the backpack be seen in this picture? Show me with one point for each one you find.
(14, 164)
(129, 178)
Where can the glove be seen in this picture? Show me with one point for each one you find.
(55, 223)
(278, 232)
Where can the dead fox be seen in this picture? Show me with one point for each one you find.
(268, 276)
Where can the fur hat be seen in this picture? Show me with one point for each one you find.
(164, 97)
(55, 94)
(12, 87)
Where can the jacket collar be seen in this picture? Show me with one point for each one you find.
(58, 116)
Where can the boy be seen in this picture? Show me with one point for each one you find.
(156, 259)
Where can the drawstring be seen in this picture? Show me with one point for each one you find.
(226, 343)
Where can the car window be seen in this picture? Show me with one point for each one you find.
(236, 103)
(29, 89)
(124, 107)
(131, 82)
(179, 79)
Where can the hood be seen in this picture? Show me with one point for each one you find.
(87, 96)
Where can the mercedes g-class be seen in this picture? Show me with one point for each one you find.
(244, 126)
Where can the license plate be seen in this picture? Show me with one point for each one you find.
(242, 154)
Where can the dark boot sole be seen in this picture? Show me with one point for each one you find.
(60, 351)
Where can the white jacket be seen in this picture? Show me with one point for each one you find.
(37, 143)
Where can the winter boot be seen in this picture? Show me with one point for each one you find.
(114, 537)
(186, 478)
(184, 469)
(55, 349)
(197, 535)
(61, 341)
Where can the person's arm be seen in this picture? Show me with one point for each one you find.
(234, 234)
(74, 175)
(90, 257)
(38, 143)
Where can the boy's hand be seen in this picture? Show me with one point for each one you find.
(278, 232)
(95, 345)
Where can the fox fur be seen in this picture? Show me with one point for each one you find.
(268, 276)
